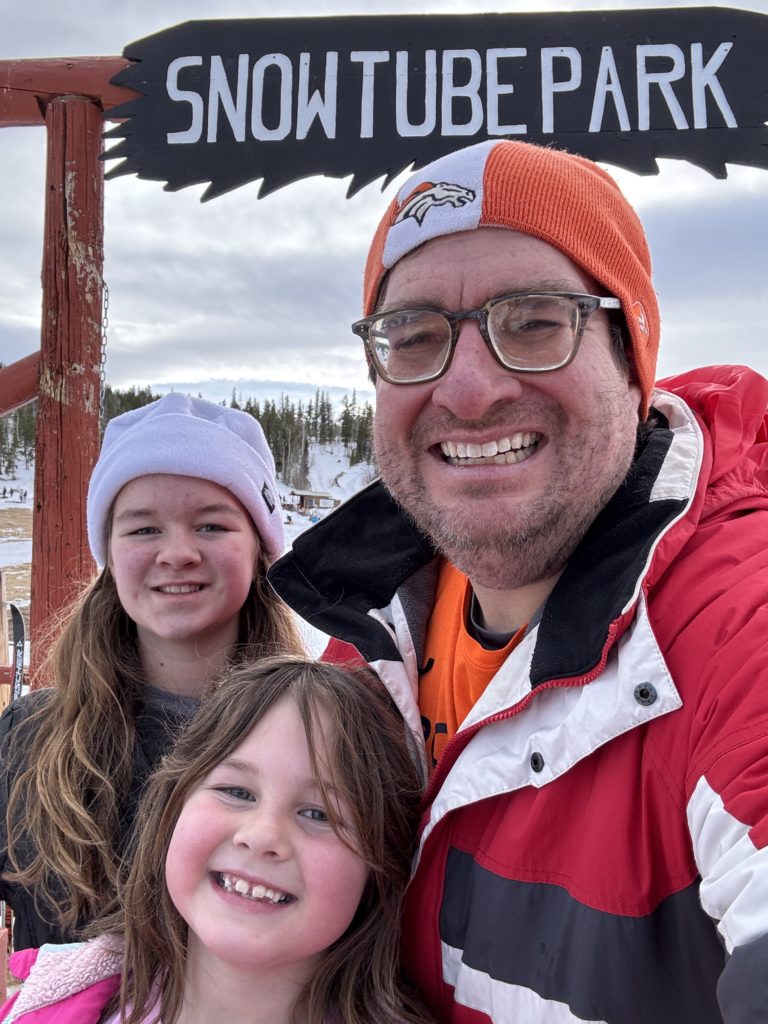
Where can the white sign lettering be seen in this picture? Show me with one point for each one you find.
(454, 92)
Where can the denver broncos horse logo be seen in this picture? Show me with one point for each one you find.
(430, 194)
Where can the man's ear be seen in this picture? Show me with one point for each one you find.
(637, 399)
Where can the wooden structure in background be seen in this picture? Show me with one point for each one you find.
(68, 98)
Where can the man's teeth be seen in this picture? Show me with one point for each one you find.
(505, 451)
(180, 588)
(231, 883)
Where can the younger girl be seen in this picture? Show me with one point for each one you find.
(272, 853)
(184, 519)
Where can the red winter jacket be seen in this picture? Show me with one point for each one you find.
(595, 844)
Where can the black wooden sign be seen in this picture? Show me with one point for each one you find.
(228, 102)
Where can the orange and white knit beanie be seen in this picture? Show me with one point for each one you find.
(564, 199)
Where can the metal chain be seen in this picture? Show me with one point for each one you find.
(103, 360)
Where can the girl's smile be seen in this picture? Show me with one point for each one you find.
(251, 890)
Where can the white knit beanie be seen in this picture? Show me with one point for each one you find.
(187, 437)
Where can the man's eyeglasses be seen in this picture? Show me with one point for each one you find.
(526, 332)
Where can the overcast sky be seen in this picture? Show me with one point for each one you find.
(265, 290)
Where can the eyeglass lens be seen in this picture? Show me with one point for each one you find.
(529, 332)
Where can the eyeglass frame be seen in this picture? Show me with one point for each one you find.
(586, 304)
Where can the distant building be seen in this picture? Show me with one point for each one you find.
(304, 501)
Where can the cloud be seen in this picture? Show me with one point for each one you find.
(709, 256)
(266, 289)
(245, 288)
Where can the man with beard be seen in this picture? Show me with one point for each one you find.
(563, 580)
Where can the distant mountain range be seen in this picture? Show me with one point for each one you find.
(217, 388)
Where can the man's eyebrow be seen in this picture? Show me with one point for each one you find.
(396, 307)
(533, 287)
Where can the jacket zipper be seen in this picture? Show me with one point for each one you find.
(457, 743)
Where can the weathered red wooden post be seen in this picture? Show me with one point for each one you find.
(70, 356)
(67, 95)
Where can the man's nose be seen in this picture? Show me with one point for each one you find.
(474, 381)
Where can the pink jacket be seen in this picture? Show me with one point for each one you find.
(68, 984)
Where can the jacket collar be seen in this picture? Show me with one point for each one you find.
(344, 573)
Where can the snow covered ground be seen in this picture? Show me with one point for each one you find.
(24, 481)
(15, 545)
(14, 552)
(329, 473)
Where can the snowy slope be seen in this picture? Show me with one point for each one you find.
(329, 471)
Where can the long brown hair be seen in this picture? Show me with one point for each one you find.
(75, 751)
(373, 768)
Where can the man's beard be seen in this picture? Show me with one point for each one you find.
(513, 554)
(538, 536)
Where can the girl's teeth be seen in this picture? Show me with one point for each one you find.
(231, 883)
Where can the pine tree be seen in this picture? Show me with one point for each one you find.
(347, 421)
(363, 448)
(325, 420)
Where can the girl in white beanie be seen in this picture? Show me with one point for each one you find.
(183, 520)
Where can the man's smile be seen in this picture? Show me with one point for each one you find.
(504, 451)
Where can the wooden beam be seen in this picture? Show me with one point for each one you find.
(67, 442)
(28, 86)
(19, 383)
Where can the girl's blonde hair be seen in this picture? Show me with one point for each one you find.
(75, 752)
(370, 763)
